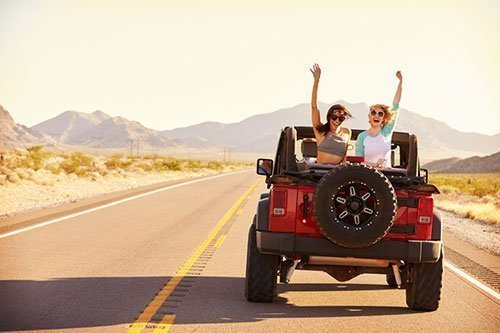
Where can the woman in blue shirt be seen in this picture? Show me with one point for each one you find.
(375, 143)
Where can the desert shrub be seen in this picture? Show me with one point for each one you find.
(172, 165)
(215, 165)
(117, 162)
(149, 157)
(77, 163)
(145, 166)
(478, 185)
(34, 149)
(194, 164)
(487, 212)
(54, 168)
(34, 158)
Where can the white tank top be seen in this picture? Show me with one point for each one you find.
(376, 148)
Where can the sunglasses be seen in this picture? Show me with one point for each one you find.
(335, 117)
(380, 113)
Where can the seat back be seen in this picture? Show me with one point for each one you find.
(309, 148)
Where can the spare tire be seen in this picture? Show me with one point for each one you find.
(354, 205)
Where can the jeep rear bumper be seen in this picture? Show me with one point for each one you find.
(292, 244)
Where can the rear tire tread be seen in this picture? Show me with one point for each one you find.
(261, 274)
(423, 291)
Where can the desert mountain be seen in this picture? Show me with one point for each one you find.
(259, 133)
(70, 124)
(99, 130)
(119, 132)
(475, 164)
(13, 135)
(442, 164)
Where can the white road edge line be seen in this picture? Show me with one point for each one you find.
(59, 219)
(469, 278)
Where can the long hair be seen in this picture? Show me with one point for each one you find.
(325, 128)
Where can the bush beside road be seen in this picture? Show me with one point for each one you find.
(474, 196)
(34, 178)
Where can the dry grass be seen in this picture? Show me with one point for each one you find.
(475, 196)
(44, 167)
(478, 185)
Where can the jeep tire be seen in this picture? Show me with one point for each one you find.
(262, 272)
(354, 205)
(423, 289)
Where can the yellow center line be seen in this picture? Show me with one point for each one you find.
(168, 320)
(219, 241)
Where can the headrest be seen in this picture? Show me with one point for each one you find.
(309, 148)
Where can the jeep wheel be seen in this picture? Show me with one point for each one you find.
(354, 205)
(262, 272)
(423, 290)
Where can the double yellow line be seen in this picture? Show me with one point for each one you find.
(168, 320)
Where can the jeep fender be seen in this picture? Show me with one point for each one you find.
(262, 217)
(437, 229)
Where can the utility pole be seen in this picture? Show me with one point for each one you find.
(57, 137)
(227, 154)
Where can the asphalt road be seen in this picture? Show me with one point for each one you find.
(174, 261)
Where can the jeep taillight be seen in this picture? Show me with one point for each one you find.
(425, 210)
(279, 202)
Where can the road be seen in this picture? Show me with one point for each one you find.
(174, 260)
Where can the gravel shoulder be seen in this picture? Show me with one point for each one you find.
(483, 235)
(27, 196)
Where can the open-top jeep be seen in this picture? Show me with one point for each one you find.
(345, 220)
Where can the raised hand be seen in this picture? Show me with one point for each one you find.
(316, 72)
(399, 75)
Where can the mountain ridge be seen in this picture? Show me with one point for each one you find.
(254, 134)
(13, 135)
(474, 164)
(436, 137)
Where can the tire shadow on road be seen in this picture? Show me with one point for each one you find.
(222, 300)
(104, 301)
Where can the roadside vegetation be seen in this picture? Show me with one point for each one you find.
(45, 167)
(475, 196)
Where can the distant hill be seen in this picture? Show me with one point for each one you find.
(255, 134)
(70, 124)
(13, 135)
(99, 130)
(259, 133)
(443, 164)
(118, 132)
(475, 164)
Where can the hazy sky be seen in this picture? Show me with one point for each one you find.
(176, 63)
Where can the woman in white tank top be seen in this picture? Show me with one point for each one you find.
(375, 143)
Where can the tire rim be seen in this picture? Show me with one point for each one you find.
(353, 204)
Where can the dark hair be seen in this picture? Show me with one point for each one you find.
(325, 128)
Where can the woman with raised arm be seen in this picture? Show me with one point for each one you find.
(331, 138)
(375, 143)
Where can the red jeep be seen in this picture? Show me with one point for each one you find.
(345, 220)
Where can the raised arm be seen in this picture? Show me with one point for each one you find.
(388, 127)
(397, 97)
(316, 120)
